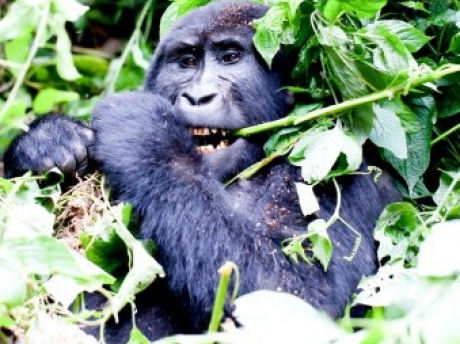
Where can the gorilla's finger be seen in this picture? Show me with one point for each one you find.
(65, 161)
(44, 165)
(80, 152)
(87, 136)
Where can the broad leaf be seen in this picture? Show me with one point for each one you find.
(387, 131)
(48, 98)
(418, 146)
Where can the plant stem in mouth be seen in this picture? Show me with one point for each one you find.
(339, 108)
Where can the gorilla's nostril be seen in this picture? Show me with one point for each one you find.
(199, 100)
(189, 98)
(206, 99)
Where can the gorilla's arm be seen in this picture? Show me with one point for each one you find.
(150, 161)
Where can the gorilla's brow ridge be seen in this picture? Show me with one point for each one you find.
(222, 43)
(179, 45)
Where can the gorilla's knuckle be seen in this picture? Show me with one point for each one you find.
(45, 164)
(88, 135)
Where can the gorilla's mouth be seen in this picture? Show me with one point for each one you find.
(209, 140)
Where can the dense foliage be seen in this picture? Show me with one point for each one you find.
(365, 73)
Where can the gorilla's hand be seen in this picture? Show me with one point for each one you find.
(52, 141)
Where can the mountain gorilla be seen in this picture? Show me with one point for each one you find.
(168, 151)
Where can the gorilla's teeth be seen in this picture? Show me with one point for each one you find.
(210, 148)
(207, 131)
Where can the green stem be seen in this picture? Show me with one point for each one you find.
(279, 123)
(348, 104)
(113, 76)
(9, 64)
(25, 67)
(218, 311)
(445, 134)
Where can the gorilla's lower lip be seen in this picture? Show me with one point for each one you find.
(211, 139)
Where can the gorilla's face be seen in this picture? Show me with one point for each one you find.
(208, 68)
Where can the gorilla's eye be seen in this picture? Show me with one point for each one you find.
(188, 61)
(231, 57)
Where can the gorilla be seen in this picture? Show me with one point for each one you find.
(168, 150)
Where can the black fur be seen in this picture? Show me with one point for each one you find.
(143, 145)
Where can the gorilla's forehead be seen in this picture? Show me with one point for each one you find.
(235, 17)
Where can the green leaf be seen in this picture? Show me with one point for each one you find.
(448, 194)
(318, 151)
(13, 289)
(307, 199)
(136, 337)
(279, 26)
(391, 54)
(176, 10)
(168, 18)
(399, 233)
(90, 65)
(448, 103)
(387, 131)
(361, 122)
(353, 153)
(29, 221)
(17, 50)
(267, 42)
(331, 9)
(20, 20)
(321, 151)
(360, 8)
(65, 289)
(418, 146)
(411, 37)
(185, 6)
(144, 269)
(70, 10)
(416, 5)
(6, 321)
(48, 98)
(346, 74)
(378, 79)
(454, 46)
(105, 248)
(43, 255)
(332, 36)
(321, 244)
(16, 111)
(281, 142)
(64, 61)
(143, 272)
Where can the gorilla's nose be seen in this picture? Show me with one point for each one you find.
(199, 98)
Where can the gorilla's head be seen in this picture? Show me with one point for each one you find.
(208, 68)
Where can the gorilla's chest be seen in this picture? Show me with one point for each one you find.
(270, 200)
